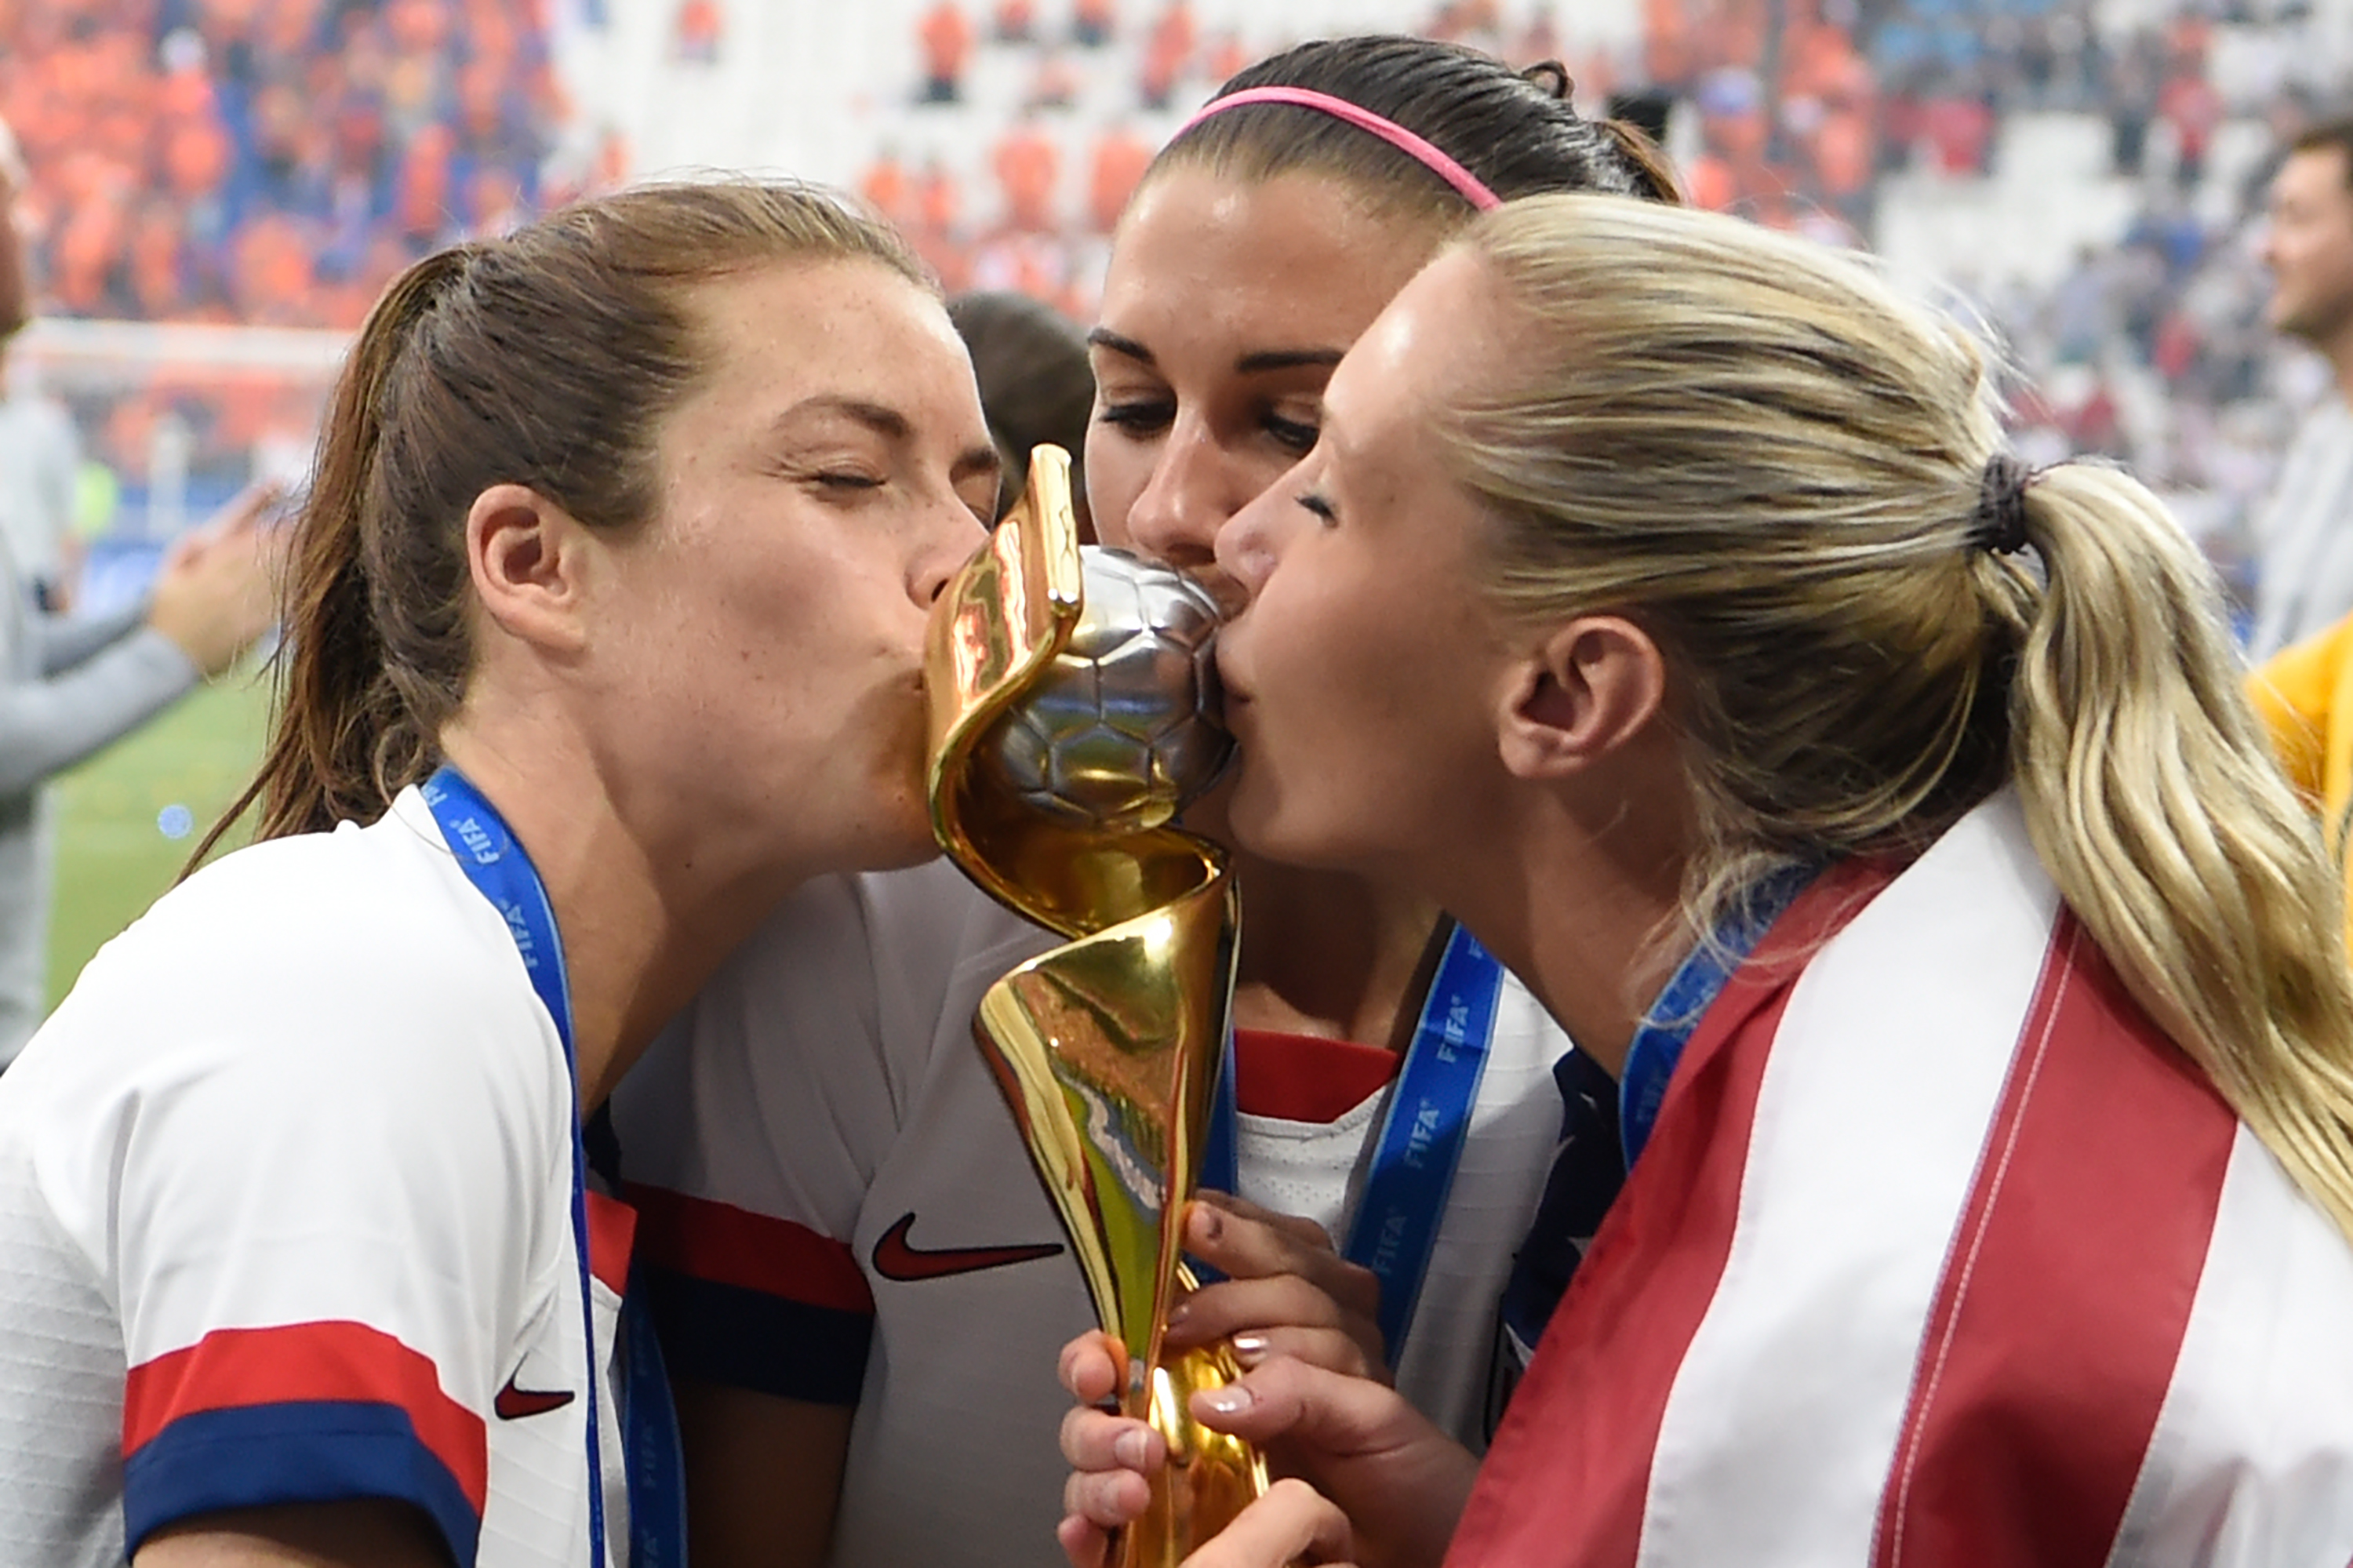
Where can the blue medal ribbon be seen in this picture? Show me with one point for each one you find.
(487, 852)
(1658, 1043)
(1421, 1136)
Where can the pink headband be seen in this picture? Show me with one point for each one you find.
(1418, 148)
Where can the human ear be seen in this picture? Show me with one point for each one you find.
(527, 556)
(1581, 694)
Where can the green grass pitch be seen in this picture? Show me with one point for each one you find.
(113, 856)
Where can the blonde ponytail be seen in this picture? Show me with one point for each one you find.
(2151, 795)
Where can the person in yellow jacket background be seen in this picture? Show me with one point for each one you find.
(2304, 694)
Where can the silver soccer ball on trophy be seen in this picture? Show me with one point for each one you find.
(1122, 730)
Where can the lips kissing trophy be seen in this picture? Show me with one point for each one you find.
(1069, 695)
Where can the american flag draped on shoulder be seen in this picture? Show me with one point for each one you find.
(1941, 1257)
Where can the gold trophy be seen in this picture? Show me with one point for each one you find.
(1056, 767)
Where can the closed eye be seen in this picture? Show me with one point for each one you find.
(1296, 434)
(1136, 417)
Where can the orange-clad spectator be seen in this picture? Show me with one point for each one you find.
(157, 280)
(1668, 56)
(1174, 35)
(422, 192)
(1708, 181)
(938, 198)
(1017, 21)
(1227, 55)
(1055, 85)
(1028, 165)
(698, 29)
(418, 26)
(272, 273)
(1121, 156)
(1092, 22)
(884, 186)
(947, 36)
(1843, 153)
(1166, 54)
(946, 255)
(196, 154)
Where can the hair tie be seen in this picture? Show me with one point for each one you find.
(1419, 149)
(1998, 524)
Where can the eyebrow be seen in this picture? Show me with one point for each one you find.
(891, 426)
(1254, 363)
(882, 420)
(1287, 359)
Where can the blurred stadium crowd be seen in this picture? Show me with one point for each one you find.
(2086, 172)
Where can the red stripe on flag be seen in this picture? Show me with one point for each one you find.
(2058, 1322)
(728, 1245)
(235, 1369)
(1569, 1472)
(612, 1229)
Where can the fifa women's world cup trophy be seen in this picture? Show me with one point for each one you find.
(1071, 717)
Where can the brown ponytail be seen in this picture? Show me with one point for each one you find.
(547, 359)
(340, 719)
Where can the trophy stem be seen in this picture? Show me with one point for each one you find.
(1107, 1047)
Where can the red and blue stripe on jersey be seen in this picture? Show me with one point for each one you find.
(300, 1412)
(749, 1301)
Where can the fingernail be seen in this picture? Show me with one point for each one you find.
(1227, 1400)
(1249, 1349)
(1129, 1448)
(1179, 1313)
(1207, 1223)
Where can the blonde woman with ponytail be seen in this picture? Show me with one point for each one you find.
(1891, 820)
(603, 631)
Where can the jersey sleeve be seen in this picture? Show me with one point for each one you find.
(323, 1197)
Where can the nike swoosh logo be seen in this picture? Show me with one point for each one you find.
(894, 1259)
(514, 1404)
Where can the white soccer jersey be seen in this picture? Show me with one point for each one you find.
(839, 1209)
(285, 1210)
(1940, 1255)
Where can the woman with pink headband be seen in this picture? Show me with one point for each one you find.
(865, 1289)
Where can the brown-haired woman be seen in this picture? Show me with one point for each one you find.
(862, 1278)
(603, 631)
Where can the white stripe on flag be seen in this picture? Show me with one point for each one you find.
(2253, 1459)
(1882, 1079)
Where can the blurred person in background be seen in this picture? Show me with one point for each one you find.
(2304, 535)
(70, 685)
(1036, 386)
(40, 481)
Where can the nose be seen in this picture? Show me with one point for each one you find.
(945, 546)
(1251, 541)
(1189, 496)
